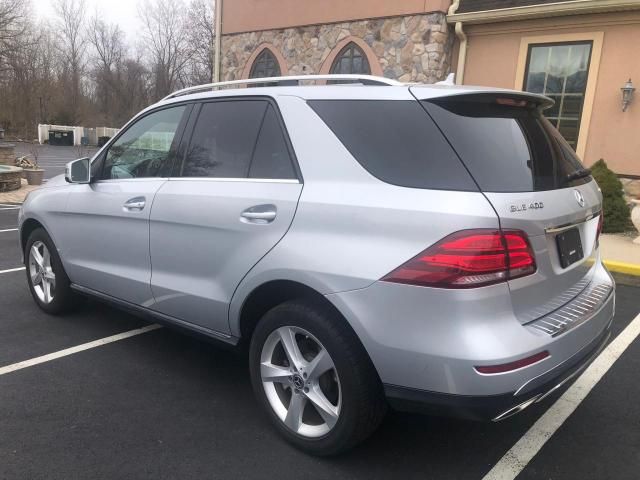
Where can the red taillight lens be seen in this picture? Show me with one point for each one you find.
(469, 258)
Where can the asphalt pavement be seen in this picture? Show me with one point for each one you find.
(53, 158)
(163, 405)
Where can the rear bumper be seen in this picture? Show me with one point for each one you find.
(496, 407)
(425, 344)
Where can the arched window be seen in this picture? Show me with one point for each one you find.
(351, 59)
(265, 65)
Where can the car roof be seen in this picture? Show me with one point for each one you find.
(353, 92)
(344, 87)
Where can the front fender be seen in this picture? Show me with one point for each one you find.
(47, 206)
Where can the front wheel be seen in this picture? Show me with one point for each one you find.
(314, 379)
(48, 282)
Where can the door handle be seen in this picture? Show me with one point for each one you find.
(260, 214)
(135, 204)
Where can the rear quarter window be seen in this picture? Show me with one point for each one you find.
(396, 142)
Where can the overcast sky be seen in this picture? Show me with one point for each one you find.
(122, 12)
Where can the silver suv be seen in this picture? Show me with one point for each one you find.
(432, 248)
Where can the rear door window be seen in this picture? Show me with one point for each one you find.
(223, 139)
(396, 142)
(238, 139)
(271, 157)
(507, 144)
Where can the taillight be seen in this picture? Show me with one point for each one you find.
(469, 258)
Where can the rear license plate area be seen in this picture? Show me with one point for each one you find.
(569, 247)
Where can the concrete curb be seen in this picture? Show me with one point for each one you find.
(622, 267)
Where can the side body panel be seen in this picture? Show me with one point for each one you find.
(201, 246)
(351, 229)
(47, 206)
(106, 246)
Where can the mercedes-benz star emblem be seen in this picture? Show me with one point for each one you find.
(298, 382)
(579, 197)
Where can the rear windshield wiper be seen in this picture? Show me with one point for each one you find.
(583, 172)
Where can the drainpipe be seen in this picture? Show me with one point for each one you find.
(462, 50)
(218, 43)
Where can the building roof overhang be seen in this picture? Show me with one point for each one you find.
(556, 9)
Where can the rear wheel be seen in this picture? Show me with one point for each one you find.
(48, 282)
(314, 378)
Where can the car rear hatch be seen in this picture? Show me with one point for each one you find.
(535, 183)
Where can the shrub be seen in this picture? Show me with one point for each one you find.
(616, 211)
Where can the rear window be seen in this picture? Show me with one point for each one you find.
(507, 148)
(396, 142)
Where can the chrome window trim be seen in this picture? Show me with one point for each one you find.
(230, 179)
(202, 179)
(138, 179)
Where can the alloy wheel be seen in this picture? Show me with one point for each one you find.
(300, 381)
(41, 272)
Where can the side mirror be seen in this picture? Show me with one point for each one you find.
(78, 171)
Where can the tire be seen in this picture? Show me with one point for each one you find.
(60, 298)
(357, 403)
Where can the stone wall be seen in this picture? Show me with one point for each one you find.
(415, 48)
(10, 178)
(7, 154)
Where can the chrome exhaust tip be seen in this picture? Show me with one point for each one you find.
(515, 410)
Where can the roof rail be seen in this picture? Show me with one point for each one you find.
(286, 81)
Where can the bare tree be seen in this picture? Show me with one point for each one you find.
(13, 21)
(166, 40)
(79, 70)
(25, 77)
(201, 37)
(109, 51)
(72, 48)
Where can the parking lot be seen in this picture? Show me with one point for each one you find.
(53, 158)
(160, 404)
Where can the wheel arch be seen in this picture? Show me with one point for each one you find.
(27, 227)
(274, 292)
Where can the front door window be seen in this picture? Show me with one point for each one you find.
(144, 149)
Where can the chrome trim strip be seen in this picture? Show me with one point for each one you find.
(200, 179)
(579, 310)
(556, 302)
(141, 179)
(368, 79)
(517, 409)
(567, 226)
(573, 374)
(225, 179)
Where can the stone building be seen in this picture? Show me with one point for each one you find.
(408, 40)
